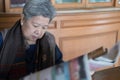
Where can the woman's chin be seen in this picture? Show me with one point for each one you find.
(33, 41)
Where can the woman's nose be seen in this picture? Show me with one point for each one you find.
(37, 32)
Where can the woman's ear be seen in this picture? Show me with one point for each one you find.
(22, 19)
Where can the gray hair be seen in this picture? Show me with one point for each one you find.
(39, 8)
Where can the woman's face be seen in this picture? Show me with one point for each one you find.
(34, 28)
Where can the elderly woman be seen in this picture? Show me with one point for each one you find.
(27, 46)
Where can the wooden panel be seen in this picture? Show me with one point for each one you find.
(5, 25)
(89, 15)
(82, 23)
(107, 74)
(82, 20)
(76, 46)
(81, 33)
(8, 20)
(117, 3)
(1, 6)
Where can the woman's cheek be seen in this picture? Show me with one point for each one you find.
(42, 33)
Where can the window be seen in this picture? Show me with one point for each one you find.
(100, 3)
(68, 3)
(16, 5)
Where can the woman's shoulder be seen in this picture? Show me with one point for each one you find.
(50, 36)
(3, 33)
(48, 33)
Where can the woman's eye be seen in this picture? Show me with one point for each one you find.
(44, 27)
(35, 25)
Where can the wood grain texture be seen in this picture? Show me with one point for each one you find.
(108, 74)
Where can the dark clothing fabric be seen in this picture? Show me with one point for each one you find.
(27, 61)
(13, 45)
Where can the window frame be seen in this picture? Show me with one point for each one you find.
(84, 4)
(100, 4)
(69, 5)
(10, 9)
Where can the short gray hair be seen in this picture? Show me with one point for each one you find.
(39, 8)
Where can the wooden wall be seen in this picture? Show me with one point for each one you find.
(1, 6)
(83, 32)
(79, 33)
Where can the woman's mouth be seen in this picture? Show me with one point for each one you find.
(34, 37)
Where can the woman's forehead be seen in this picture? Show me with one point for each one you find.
(39, 19)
